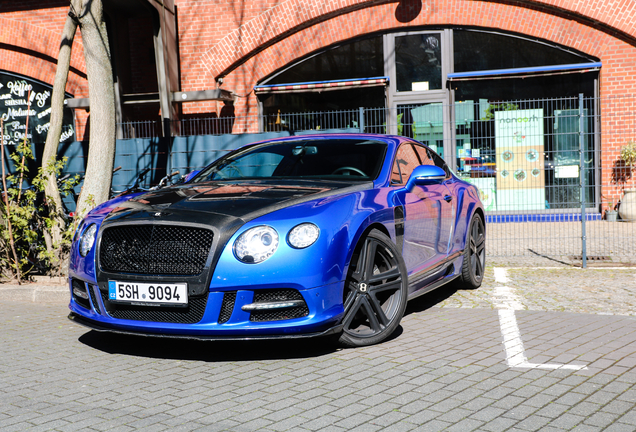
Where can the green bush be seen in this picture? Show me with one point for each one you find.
(27, 217)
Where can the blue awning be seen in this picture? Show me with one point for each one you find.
(528, 71)
(318, 86)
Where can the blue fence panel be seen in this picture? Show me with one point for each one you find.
(135, 155)
(195, 152)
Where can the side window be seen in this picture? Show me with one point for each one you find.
(440, 163)
(425, 155)
(405, 162)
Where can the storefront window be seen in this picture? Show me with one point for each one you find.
(361, 58)
(479, 50)
(517, 138)
(418, 62)
(524, 154)
(315, 110)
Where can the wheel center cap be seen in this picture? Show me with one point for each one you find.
(363, 287)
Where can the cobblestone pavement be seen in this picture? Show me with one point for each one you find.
(445, 369)
(561, 238)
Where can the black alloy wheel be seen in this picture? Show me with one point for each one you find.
(375, 292)
(474, 254)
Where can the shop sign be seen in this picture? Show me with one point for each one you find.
(519, 144)
(566, 171)
(487, 191)
(22, 97)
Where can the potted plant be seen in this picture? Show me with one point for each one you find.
(627, 209)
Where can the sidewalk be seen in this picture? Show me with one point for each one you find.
(42, 290)
(55, 290)
(532, 349)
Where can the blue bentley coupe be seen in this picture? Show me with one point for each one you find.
(302, 236)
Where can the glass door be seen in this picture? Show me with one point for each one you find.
(423, 122)
(417, 65)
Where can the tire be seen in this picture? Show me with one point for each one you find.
(474, 254)
(375, 292)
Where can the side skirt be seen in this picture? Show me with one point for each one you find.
(446, 272)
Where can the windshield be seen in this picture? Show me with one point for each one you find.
(332, 159)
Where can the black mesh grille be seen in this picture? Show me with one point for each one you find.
(91, 291)
(155, 249)
(264, 296)
(227, 306)
(182, 315)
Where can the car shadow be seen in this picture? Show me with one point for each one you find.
(208, 351)
(242, 350)
(430, 299)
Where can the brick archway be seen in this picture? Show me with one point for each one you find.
(32, 51)
(274, 25)
(560, 22)
(616, 54)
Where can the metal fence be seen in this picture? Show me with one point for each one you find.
(549, 170)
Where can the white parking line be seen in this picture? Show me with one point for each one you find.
(507, 303)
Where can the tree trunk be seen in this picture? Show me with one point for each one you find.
(88, 14)
(101, 154)
(55, 233)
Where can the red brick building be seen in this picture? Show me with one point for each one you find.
(182, 59)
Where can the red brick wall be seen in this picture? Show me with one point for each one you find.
(247, 40)
(30, 36)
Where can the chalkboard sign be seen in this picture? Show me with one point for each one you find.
(21, 97)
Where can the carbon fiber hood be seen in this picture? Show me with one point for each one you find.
(220, 207)
(223, 203)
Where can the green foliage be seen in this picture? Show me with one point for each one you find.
(490, 111)
(32, 216)
(628, 153)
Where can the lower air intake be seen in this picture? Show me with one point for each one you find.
(180, 315)
(266, 296)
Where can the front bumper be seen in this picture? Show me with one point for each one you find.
(208, 317)
(94, 325)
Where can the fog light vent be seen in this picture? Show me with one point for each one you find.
(277, 305)
(91, 291)
(227, 306)
(80, 295)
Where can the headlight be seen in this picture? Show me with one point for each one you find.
(78, 230)
(87, 240)
(303, 235)
(256, 244)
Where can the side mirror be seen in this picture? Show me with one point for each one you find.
(425, 175)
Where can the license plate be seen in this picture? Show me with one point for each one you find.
(153, 294)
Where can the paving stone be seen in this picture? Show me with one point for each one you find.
(601, 419)
(553, 410)
(567, 421)
(534, 422)
(618, 427)
(499, 424)
(446, 370)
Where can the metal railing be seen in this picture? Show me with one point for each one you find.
(549, 170)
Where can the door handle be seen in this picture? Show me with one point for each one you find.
(448, 198)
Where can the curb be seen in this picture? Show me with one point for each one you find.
(36, 293)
